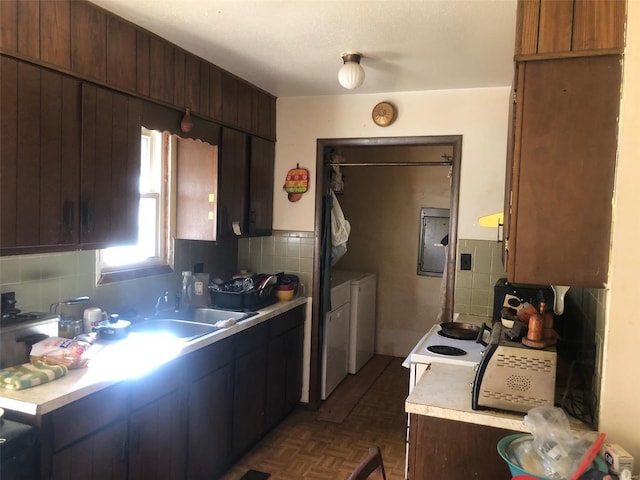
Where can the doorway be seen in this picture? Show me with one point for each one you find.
(323, 166)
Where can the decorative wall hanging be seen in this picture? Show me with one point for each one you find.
(296, 183)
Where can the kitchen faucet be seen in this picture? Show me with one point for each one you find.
(162, 304)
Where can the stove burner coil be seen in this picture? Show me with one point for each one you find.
(446, 350)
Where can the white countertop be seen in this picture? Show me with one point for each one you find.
(444, 391)
(114, 361)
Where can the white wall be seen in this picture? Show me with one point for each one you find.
(479, 115)
(620, 390)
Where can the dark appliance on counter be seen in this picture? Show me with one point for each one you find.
(19, 331)
(514, 377)
(503, 291)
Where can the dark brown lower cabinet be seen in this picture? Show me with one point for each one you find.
(191, 418)
(100, 456)
(210, 411)
(157, 439)
(284, 366)
(441, 448)
(249, 386)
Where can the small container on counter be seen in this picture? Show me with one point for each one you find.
(69, 327)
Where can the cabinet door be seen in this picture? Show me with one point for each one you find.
(40, 158)
(196, 190)
(249, 384)
(261, 187)
(295, 345)
(441, 448)
(210, 423)
(233, 182)
(563, 171)
(276, 380)
(110, 168)
(158, 438)
(100, 456)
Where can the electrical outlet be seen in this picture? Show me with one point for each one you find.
(465, 261)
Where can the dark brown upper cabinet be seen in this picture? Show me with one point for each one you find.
(233, 178)
(40, 159)
(562, 167)
(261, 167)
(111, 124)
(552, 27)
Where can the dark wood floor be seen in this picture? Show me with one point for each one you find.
(303, 448)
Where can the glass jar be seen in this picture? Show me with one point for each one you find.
(69, 327)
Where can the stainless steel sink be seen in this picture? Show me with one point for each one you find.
(181, 329)
(213, 315)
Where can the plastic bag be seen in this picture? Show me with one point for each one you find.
(340, 230)
(72, 353)
(559, 449)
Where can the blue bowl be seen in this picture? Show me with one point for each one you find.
(503, 449)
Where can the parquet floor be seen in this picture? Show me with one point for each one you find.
(303, 448)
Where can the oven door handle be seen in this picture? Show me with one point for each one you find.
(479, 338)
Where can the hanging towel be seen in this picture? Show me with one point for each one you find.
(340, 230)
(29, 375)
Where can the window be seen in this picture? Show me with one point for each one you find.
(151, 253)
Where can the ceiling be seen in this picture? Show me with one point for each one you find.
(294, 47)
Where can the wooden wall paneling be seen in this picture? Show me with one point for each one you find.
(70, 175)
(51, 211)
(88, 41)
(8, 151)
(29, 28)
(142, 63)
(215, 92)
(121, 54)
(598, 24)
(203, 83)
(28, 143)
(556, 20)
(527, 20)
(179, 85)
(229, 86)
(191, 80)
(9, 25)
(245, 106)
(161, 70)
(256, 100)
(55, 33)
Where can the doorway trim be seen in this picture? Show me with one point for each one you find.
(455, 141)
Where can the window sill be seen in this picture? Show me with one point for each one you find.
(133, 273)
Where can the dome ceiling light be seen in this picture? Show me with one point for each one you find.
(351, 74)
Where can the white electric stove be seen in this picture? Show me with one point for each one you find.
(436, 348)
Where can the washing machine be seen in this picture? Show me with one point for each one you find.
(362, 320)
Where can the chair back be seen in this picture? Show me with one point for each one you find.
(371, 464)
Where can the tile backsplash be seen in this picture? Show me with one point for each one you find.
(284, 251)
(474, 288)
(42, 279)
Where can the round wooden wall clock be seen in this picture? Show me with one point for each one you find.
(383, 114)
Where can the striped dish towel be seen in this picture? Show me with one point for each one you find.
(29, 375)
